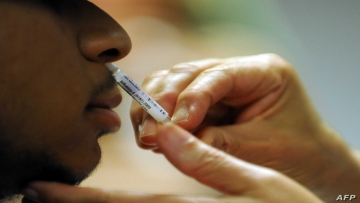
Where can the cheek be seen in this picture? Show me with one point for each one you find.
(44, 116)
(69, 142)
(44, 91)
(61, 126)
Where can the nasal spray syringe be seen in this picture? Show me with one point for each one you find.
(145, 101)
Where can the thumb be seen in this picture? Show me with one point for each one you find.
(206, 164)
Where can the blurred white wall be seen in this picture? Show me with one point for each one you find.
(320, 38)
(329, 64)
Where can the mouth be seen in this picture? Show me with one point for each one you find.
(100, 111)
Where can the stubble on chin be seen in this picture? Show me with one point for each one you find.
(18, 170)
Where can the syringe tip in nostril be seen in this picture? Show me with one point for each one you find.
(112, 67)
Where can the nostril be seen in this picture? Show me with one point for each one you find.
(110, 52)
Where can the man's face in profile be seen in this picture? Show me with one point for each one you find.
(55, 92)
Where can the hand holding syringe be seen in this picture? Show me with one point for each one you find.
(145, 101)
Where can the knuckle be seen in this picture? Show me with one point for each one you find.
(159, 73)
(269, 177)
(218, 139)
(207, 162)
(155, 75)
(279, 66)
(272, 56)
(200, 64)
(274, 60)
(202, 97)
(183, 68)
(168, 95)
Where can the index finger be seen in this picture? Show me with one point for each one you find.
(237, 82)
(157, 86)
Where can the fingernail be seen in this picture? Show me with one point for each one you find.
(181, 115)
(148, 131)
(31, 194)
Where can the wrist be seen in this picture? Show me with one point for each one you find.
(340, 173)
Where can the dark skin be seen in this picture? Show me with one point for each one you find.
(56, 93)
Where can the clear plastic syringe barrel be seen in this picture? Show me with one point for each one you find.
(151, 106)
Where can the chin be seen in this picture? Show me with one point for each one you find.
(50, 170)
(59, 173)
(75, 178)
(34, 167)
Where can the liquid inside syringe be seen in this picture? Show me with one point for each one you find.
(145, 101)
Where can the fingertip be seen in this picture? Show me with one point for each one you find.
(148, 131)
(163, 127)
(171, 138)
(149, 140)
(37, 191)
(30, 195)
(157, 151)
(165, 130)
(27, 200)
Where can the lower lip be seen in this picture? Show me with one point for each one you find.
(106, 118)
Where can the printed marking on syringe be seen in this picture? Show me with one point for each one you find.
(124, 83)
(139, 95)
(144, 100)
(148, 104)
(126, 88)
(162, 111)
(141, 101)
(153, 103)
(138, 98)
(134, 84)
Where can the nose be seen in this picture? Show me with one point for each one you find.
(101, 39)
